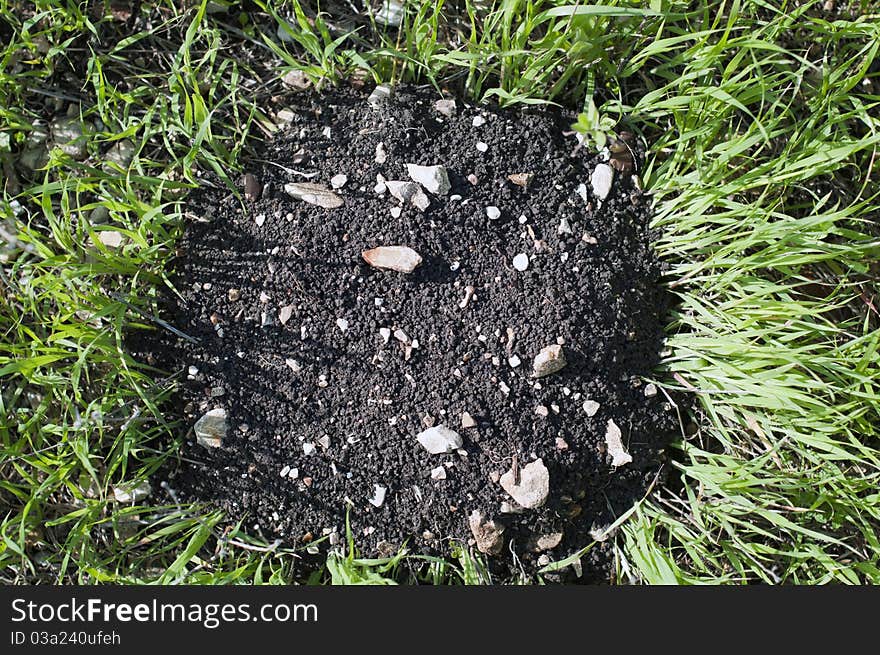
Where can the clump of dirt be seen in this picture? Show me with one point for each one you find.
(327, 369)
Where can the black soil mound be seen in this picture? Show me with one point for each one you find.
(323, 409)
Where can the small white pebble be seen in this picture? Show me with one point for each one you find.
(523, 219)
(591, 407)
(385, 333)
(259, 219)
(438, 473)
(308, 448)
(284, 471)
(342, 324)
(493, 213)
(396, 211)
(482, 147)
(521, 262)
(338, 181)
(455, 197)
(514, 361)
(479, 121)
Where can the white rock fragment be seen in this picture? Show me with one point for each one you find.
(210, 430)
(582, 191)
(601, 180)
(439, 440)
(549, 360)
(385, 333)
(314, 194)
(379, 95)
(438, 473)
(468, 295)
(533, 486)
(488, 534)
(521, 262)
(403, 191)
(293, 365)
(613, 441)
(493, 213)
(396, 212)
(309, 448)
(478, 121)
(378, 495)
(541, 410)
(380, 155)
(339, 181)
(395, 258)
(420, 200)
(110, 238)
(260, 220)
(650, 390)
(445, 107)
(591, 407)
(467, 421)
(132, 493)
(285, 313)
(514, 361)
(342, 324)
(401, 336)
(564, 226)
(482, 147)
(391, 13)
(433, 178)
(284, 471)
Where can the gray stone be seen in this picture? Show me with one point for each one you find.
(69, 135)
(439, 440)
(533, 487)
(488, 534)
(550, 360)
(433, 178)
(120, 153)
(132, 493)
(314, 194)
(591, 407)
(210, 430)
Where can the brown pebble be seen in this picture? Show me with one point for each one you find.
(307, 481)
(252, 188)
(307, 537)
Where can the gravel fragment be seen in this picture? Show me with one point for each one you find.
(591, 407)
(550, 360)
(533, 486)
(433, 178)
(493, 213)
(613, 441)
(314, 194)
(521, 262)
(439, 440)
(395, 258)
(601, 180)
(210, 430)
(488, 534)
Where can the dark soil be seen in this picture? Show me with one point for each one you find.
(602, 300)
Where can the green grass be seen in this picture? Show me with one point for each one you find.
(762, 125)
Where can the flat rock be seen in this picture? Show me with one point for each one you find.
(445, 106)
(439, 440)
(314, 194)
(132, 493)
(550, 360)
(394, 258)
(69, 135)
(541, 542)
(210, 430)
(488, 534)
(614, 443)
(533, 486)
(433, 178)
